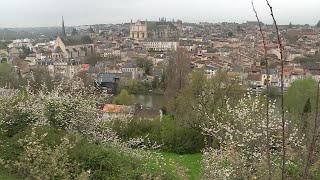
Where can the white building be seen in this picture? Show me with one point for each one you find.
(160, 45)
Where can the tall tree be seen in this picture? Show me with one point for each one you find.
(177, 74)
(74, 32)
(202, 96)
(124, 98)
(305, 114)
(318, 24)
(146, 64)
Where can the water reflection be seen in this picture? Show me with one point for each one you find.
(151, 101)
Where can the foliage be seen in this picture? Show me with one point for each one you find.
(8, 76)
(318, 24)
(307, 59)
(135, 87)
(74, 32)
(70, 109)
(3, 45)
(109, 163)
(292, 37)
(176, 73)
(168, 132)
(296, 98)
(180, 140)
(272, 93)
(40, 162)
(124, 98)
(203, 95)
(241, 135)
(156, 83)
(146, 64)
(4, 174)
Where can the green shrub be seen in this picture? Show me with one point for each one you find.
(179, 139)
(168, 132)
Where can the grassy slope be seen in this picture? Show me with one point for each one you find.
(190, 161)
(5, 175)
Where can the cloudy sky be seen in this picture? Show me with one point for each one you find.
(40, 13)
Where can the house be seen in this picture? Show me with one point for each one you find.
(160, 46)
(312, 70)
(134, 69)
(85, 67)
(272, 78)
(210, 70)
(31, 58)
(146, 113)
(114, 111)
(66, 68)
(108, 81)
(187, 45)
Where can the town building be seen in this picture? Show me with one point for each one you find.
(155, 30)
(64, 68)
(75, 46)
(160, 46)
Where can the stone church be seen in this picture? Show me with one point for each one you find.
(161, 30)
(70, 47)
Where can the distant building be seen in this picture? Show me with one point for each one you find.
(64, 68)
(75, 46)
(133, 69)
(111, 111)
(210, 71)
(109, 81)
(160, 46)
(155, 30)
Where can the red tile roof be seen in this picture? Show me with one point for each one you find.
(112, 108)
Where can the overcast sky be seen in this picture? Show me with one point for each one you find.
(40, 13)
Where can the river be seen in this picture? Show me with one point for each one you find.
(151, 101)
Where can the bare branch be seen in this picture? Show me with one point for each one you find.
(282, 91)
(268, 89)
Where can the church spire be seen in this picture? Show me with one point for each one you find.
(63, 28)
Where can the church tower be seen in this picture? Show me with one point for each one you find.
(63, 29)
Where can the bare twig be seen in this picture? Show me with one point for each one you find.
(314, 137)
(268, 90)
(282, 91)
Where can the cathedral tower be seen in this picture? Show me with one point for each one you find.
(63, 29)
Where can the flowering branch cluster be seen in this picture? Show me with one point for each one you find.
(241, 134)
(72, 108)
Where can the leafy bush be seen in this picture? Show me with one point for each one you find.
(168, 132)
(45, 147)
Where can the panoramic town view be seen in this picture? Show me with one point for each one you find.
(192, 90)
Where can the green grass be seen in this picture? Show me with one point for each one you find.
(190, 161)
(5, 175)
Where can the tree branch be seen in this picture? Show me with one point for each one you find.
(282, 91)
(268, 89)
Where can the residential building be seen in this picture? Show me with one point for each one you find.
(65, 68)
(160, 46)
